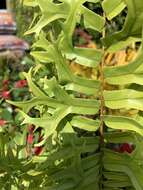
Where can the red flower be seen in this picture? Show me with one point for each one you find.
(5, 82)
(30, 138)
(83, 34)
(31, 128)
(5, 94)
(2, 122)
(126, 148)
(20, 84)
(37, 150)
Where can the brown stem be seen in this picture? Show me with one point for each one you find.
(102, 105)
(102, 109)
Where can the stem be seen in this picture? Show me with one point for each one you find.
(102, 106)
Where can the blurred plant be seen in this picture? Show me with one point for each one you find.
(23, 17)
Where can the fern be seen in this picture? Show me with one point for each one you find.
(72, 159)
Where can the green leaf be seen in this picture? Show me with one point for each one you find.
(83, 89)
(132, 26)
(120, 137)
(42, 56)
(70, 23)
(123, 44)
(116, 176)
(89, 20)
(76, 105)
(85, 123)
(126, 74)
(126, 98)
(31, 3)
(33, 86)
(123, 123)
(85, 56)
(54, 12)
(113, 8)
(49, 124)
(116, 162)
